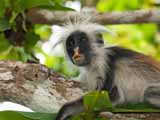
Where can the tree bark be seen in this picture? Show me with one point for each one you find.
(129, 17)
(36, 86)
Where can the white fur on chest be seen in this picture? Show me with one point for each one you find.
(89, 77)
(94, 74)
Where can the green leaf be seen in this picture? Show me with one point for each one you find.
(12, 54)
(8, 3)
(10, 115)
(90, 99)
(103, 102)
(4, 44)
(4, 24)
(38, 116)
(2, 8)
(16, 115)
(44, 31)
(67, 70)
(30, 40)
(23, 55)
(26, 4)
(97, 100)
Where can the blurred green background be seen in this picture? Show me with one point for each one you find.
(144, 38)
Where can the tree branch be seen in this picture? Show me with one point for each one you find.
(129, 17)
(35, 86)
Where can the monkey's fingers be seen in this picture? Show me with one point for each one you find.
(62, 114)
(70, 109)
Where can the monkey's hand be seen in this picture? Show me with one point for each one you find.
(70, 109)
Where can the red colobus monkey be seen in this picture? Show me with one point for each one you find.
(128, 76)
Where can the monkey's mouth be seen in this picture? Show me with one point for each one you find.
(79, 60)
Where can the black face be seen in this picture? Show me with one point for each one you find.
(79, 49)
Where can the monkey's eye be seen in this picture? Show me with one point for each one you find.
(72, 43)
(82, 39)
(100, 41)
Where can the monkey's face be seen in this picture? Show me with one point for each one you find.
(79, 49)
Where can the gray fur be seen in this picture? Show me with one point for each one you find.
(133, 77)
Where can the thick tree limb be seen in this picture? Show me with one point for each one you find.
(35, 86)
(130, 17)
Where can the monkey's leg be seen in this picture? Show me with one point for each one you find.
(70, 108)
(152, 96)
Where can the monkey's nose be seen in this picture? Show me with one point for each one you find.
(77, 55)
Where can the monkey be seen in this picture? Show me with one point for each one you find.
(127, 75)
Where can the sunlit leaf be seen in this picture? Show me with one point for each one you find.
(68, 70)
(54, 62)
(97, 100)
(90, 100)
(44, 31)
(103, 102)
(13, 54)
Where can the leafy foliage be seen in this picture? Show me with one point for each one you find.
(16, 31)
(97, 101)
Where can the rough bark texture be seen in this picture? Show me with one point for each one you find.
(44, 90)
(129, 17)
(35, 86)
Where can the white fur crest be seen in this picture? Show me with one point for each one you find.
(83, 24)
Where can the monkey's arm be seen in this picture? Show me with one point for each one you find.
(71, 108)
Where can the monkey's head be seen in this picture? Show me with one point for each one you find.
(79, 48)
(83, 42)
